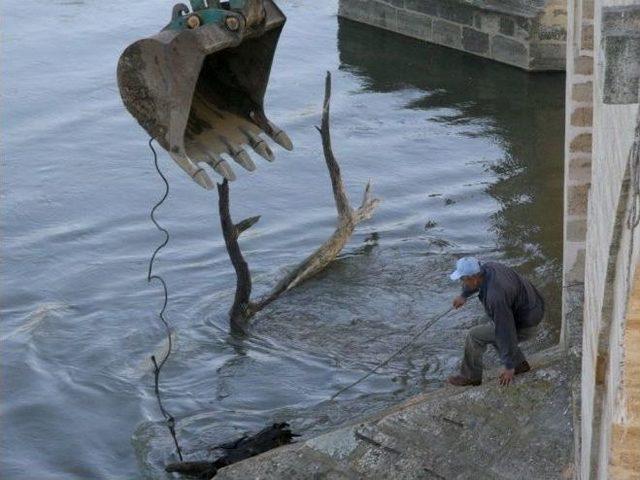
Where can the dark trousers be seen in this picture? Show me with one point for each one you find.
(482, 335)
(476, 344)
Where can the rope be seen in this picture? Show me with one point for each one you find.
(428, 325)
(171, 422)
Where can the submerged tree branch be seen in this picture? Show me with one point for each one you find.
(231, 232)
(348, 218)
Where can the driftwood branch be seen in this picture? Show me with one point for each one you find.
(348, 218)
(266, 439)
(231, 232)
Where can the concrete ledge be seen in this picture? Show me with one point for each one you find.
(530, 34)
(486, 432)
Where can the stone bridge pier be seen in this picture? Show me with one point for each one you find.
(530, 34)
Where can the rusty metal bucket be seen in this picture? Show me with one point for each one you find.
(198, 85)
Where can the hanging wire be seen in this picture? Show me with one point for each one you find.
(171, 422)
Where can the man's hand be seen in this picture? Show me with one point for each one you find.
(459, 301)
(506, 376)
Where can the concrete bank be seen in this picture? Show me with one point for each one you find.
(530, 34)
(486, 432)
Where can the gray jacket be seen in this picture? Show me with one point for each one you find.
(512, 302)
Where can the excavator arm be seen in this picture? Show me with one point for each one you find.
(198, 85)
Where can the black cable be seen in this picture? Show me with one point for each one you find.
(404, 347)
(171, 422)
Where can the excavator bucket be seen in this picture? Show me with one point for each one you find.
(198, 85)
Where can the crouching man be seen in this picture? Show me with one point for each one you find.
(516, 309)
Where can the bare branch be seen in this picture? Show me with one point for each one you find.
(240, 309)
(365, 211)
(246, 224)
(339, 194)
(348, 218)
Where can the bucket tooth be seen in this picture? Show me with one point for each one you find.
(202, 179)
(221, 167)
(243, 158)
(260, 146)
(239, 155)
(280, 137)
(275, 133)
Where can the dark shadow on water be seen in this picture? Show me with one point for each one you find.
(521, 112)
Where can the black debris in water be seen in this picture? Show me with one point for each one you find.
(266, 439)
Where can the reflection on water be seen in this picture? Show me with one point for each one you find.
(464, 153)
(522, 112)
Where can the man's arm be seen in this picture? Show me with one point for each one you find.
(464, 295)
(467, 292)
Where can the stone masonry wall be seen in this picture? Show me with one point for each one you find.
(600, 249)
(530, 34)
(624, 460)
(577, 182)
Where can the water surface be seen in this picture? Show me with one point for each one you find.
(466, 155)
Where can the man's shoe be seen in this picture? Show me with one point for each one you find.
(522, 368)
(461, 381)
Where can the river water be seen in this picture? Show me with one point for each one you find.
(465, 154)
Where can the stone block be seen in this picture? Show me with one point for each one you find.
(582, 92)
(451, 10)
(509, 51)
(586, 42)
(552, 32)
(447, 33)
(457, 12)
(548, 56)
(622, 69)
(582, 117)
(583, 65)
(576, 230)
(372, 12)
(575, 270)
(577, 198)
(625, 438)
(581, 143)
(477, 20)
(487, 22)
(621, 38)
(579, 169)
(523, 28)
(621, 18)
(384, 15)
(475, 41)
(427, 7)
(353, 9)
(587, 9)
(507, 26)
(414, 24)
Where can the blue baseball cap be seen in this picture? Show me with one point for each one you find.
(465, 267)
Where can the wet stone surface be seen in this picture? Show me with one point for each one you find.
(492, 432)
